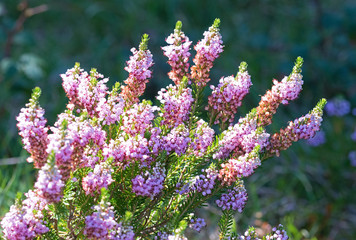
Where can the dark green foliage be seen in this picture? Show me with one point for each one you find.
(225, 224)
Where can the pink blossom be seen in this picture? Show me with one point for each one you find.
(49, 183)
(138, 119)
(98, 179)
(178, 54)
(202, 139)
(26, 221)
(235, 199)
(33, 130)
(139, 71)
(150, 183)
(177, 140)
(208, 49)
(176, 105)
(227, 96)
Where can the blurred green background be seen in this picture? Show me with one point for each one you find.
(310, 190)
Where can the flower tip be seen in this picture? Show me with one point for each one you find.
(243, 67)
(144, 41)
(298, 65)
(77, 65)
(36, 93)
(178, 25)
(216, 23)
(321, 104)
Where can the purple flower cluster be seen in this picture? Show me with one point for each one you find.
(130, 150)
(304, 127)
(202, 139)
(277, 234)
(85, 90)
(149, 184)
(110, 109)
(178, 54)
(353, 136)
(124, 233)
(197, 224)
(318, 139)
(227, 96)
(352, 158)
(281, 92)
(176, 105)
(235, 199)
(205, 182)
(139, 71)
(26, 221)
(49, 183)
(177, 140)
(233, 136)
(289, 88)
(138, 119)
(249, 234)
(244, 166)
(113, 135)
(241, 139)
(139, 65)
(33, 130)
(69, 140)
(102, 225)
(338, 107)
(208, 49)
(154, 142)
(98, 179)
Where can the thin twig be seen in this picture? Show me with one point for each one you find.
(12, 161)
(26, 12)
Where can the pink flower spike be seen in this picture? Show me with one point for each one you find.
(31, 125)
(178, 54)
(139, 71)
(227, 97)
(208, 49)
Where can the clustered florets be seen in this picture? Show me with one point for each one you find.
(227, 96)
(149, 184)
(277, 234)
(202, 139)
(304, 127)
(102, 225)
(176, 105)
(244, 166)
(33, 130)
(235, 199)
(139, 71)
(205, 182)
(25, 221)
(282, 92)
(49, 183)
(178, 54)
(110, 147)
(197, 224)
(98, 179)
(208, 49)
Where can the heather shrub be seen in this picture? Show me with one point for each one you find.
(114, 166)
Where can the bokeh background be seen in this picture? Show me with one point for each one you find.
(309, 189)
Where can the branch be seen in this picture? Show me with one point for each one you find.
(26, 12)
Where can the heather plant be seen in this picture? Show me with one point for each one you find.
(114, 166)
